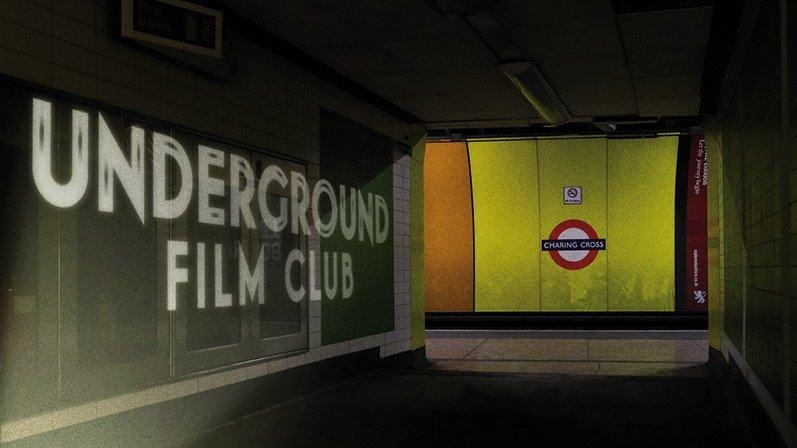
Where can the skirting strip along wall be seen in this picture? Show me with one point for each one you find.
(785, 428)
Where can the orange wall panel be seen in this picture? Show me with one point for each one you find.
(448, 228)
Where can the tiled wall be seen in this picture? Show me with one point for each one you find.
(756, 217)
(270, 103)
(66, 45)
(399, 339)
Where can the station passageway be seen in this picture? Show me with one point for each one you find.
(548, 389)
(398, 223)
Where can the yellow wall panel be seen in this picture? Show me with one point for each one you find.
(505, 225)
(448, 228)
(517, 187)
(572, 162)
(641, 224)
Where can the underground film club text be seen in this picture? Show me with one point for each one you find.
(361, 216)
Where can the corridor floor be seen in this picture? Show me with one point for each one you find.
(482, 406)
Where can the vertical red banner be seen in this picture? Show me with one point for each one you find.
(696, 231)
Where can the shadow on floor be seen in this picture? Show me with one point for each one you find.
(432, 408)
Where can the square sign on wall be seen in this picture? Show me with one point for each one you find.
(572, 195)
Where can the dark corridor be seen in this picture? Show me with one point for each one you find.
(455, 409)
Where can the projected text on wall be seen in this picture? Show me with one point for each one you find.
(275, 199)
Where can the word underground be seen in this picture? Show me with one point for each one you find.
(368, 213)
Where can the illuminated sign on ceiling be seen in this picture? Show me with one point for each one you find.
(174, 23)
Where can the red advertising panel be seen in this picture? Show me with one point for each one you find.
(696, 232)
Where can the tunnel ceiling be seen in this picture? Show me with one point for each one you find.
(602, 58)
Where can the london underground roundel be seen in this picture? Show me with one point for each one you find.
(573, 244)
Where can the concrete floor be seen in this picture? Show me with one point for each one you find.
(497, 390)
(634, 353)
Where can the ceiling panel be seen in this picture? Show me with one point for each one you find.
(450, 81)
(603, 108)
(445, 51)
(401, 83)
(494, 98)
(439, 107)
(669, 62)
(572, 39)
(597, 91)
(363, 60)
(405, 19)
(676, 106)
(303, 23)
(525, 13)
(666, 87)
(437, 67)
(666, 29)
(583, 69)
(666, 51)
(500, 113)
(463, 80)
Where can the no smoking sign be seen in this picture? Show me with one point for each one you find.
(572, 195)
(573, 244)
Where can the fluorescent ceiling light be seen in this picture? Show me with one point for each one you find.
(528, 79)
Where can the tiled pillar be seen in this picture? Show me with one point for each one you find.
(399, 340)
